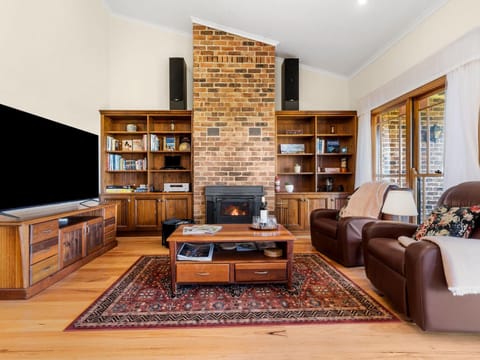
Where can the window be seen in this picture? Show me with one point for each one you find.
(409, 143)
(391, 143)
(429, 120)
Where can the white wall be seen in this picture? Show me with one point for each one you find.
(138, 70)
(443, 27)
(318, 90)
(53, 59)
(139, 64)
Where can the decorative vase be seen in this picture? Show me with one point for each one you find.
(289, 188)
(297, 168)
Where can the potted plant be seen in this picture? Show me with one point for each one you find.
(288, 187)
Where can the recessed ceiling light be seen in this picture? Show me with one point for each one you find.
(362, 2)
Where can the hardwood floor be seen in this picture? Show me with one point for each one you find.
(33, 329)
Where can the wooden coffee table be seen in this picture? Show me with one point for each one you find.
(232, 266)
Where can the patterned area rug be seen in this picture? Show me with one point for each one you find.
(142, 298)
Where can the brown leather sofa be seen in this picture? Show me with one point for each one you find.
(340, 238)
(412, 277)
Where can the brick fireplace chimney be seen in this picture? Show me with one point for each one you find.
(234, 113)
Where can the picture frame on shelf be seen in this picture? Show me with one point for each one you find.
(333, 146)
(127, 145)
(292, 148)
(169, 143)
(138, 145)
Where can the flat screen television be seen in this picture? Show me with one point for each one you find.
(45, 162)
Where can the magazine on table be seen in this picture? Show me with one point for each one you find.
(201, 229)
(195, 252)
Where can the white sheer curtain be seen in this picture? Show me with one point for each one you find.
(363, 171)
(458, 54)
(462, 109)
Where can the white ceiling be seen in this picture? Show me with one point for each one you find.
(336, 36)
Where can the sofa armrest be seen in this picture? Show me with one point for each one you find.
(318, 214)
(387, 229)
(431, 305)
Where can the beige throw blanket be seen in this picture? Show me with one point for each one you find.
(461, 263)
(367, 201)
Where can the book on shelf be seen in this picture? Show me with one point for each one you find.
(112, 143)
(154, 142)
(196, 252)
(116, 189)
(201, 229)
(320, 146)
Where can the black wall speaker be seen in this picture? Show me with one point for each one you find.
(290, 84)
(178, 84)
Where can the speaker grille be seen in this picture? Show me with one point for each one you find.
(178, 84)
(290, 84)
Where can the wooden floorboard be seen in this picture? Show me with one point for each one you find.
(33, 329)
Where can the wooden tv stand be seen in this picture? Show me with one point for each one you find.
(37, 251)
(231, 266)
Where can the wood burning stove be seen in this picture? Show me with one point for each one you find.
(232, 204)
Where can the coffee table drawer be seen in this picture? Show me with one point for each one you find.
(202, 273)
(247, 272)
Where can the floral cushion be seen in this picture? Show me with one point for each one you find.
(449, 221)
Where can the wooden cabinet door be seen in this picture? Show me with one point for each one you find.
(124, 221)
(337, 201)
(177, 206)
(290, 210)
(71, 244)
(147, 213)
(94, 234)
(317, 201)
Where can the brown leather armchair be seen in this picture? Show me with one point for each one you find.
(340, 238)
(412, 277)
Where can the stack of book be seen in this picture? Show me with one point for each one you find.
(118, 189)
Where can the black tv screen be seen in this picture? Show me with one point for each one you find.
(45, 162)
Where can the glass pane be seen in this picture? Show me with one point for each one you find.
(430, 152)
(429, 190)
(430, 119)
(392, 146)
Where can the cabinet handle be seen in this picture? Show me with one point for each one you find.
(260, 272)
(203, 273)
(46, 231)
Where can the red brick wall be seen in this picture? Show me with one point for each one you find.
(233, 113)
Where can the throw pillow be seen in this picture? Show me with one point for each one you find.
(449, 221)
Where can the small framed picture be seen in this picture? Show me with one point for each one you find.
(169, 143)
(333, 146)
(127, 145)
